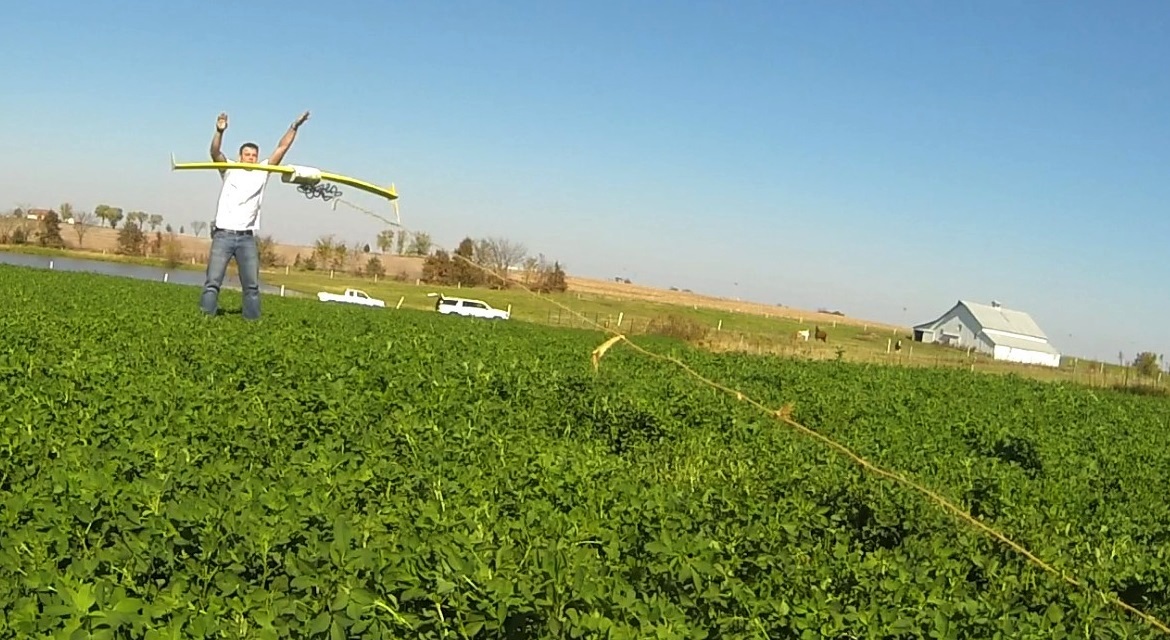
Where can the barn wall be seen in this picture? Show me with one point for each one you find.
(984, 344)
(1018, 336)
(959, 321)
(1025, 356)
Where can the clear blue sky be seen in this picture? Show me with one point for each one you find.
(884, 159)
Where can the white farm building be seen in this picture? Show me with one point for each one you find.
(1003, 333)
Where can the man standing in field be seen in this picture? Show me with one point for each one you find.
(237, 219)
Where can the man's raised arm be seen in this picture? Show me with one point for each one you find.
(217, 139)
(287, 139)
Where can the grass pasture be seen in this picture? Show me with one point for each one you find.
(726, 330)
(334, 471)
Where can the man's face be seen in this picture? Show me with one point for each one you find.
(249, 155)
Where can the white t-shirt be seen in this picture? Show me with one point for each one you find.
(240, 198)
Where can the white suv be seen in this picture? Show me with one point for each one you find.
(467, 307)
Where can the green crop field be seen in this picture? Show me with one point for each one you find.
(342, 472)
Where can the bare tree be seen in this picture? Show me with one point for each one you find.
(81, 222)
(385, 240)
(172, 250)
(420, 244)
(500, 254)
(197, 227)
(269, 257)
(483, 254)
(340, 255)
(531, 265)
(356, 258)
(324, 249)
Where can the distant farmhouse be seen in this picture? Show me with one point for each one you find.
(40, 214)
(1005, 334)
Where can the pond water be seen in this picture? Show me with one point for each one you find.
(125, 270)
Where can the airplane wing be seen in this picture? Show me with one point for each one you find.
(273, 168)
(389, 193)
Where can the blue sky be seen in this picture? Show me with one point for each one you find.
(884, 159)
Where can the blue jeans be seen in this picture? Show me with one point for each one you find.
(226, 245)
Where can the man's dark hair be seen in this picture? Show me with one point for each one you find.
(249, 145)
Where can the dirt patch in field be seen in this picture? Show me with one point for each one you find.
(621, 290)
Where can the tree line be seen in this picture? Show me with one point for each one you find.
(102, 215)
(402, 242)
(487, 262)
(496, 263)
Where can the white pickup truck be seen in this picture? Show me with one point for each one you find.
(468, 307)
(351, 296)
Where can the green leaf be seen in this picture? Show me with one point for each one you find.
(320, 623)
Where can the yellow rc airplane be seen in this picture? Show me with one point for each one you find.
(307, 179)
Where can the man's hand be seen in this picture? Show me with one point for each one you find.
(220, 124)
(287, 139)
